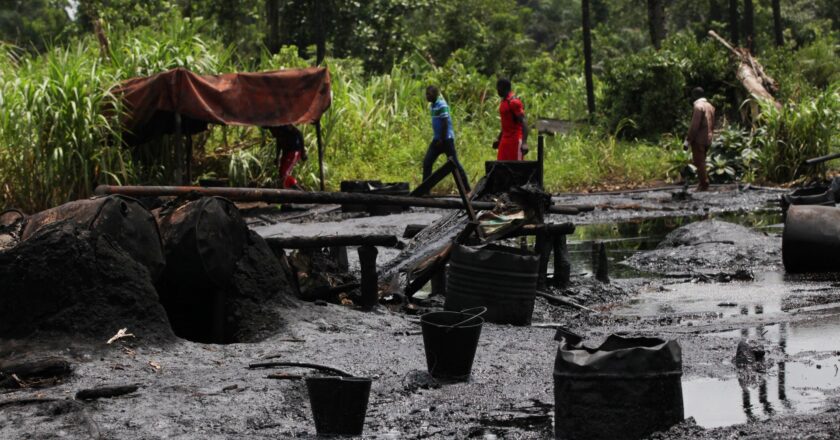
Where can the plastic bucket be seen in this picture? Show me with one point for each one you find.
(339, 404)
(450, 340)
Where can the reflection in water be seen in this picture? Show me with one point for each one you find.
(797, 383)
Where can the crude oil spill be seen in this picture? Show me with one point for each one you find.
(809, 366)
(626, 238)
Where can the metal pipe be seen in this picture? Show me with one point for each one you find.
(270, 195)
(821, 159)
(811, 239)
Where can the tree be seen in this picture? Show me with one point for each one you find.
(777, 23)
(734, 35)
(656, 21)
(587, 57)
(272, 15)
(749, 25)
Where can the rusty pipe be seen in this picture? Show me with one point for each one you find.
(270, 195)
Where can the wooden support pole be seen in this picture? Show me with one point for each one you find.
(189, 142)
(602, 274)
(179, 151)
(562, 264)
(370, 280)
(331, 241)
(543, 248)
(462, 191)
(541, 159)
(320, 154)
(438, 175)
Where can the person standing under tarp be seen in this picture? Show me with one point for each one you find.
(699, 137)
(512, 142)
(443, 141)
(290, 146)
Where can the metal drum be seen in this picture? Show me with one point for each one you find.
(503, 279)
(125, 220)
(811, 239)
(625, 389)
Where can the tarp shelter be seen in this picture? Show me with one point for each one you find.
(183, 103)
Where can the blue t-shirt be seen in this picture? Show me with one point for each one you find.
(440, 112)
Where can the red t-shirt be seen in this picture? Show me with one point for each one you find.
(509, 107)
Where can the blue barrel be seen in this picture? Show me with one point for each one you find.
(501, 278)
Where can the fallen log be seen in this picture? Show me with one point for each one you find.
(323, 241)
(105, 392)
(750, 72)
(313, 197)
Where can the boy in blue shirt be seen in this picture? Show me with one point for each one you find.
(444, 137)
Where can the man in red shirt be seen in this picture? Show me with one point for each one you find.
(512, 142)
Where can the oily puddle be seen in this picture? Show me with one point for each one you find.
(807, 346)
(809, 369)
(624, 239)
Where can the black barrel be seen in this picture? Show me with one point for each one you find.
(811, 239)
(123, 219)
(203, 241)
(503, 279)
(625, 389)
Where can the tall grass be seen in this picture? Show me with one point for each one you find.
(798, 131)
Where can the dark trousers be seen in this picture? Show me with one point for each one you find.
(446, 147)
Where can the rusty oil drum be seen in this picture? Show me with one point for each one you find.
(811, 239)
(203, 239)
(124, 219)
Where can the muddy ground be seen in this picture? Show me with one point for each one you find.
(190, 390)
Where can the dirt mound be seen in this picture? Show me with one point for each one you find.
(69, 281)
(262, 286)
(710, 246)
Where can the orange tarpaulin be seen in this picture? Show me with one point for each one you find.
(265, 99)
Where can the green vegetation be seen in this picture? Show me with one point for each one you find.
(60, 137)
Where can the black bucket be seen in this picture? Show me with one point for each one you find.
(625, 389)
(450, 340)
(339, 404)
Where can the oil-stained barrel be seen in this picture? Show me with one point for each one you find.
(125, 220)
(203, 239)
(625, 389)
(811, 239)
(503, 279)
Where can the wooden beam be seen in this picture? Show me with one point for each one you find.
(331, 241)
(438, 175)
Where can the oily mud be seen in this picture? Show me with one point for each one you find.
(193, 390)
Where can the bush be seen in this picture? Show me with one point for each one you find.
(647, 88)
(798, 131)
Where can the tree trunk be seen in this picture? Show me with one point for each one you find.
(749, 25)
(656, 21)
(272, 14)
(777, 23)
(320, 37)
(734, 35)
(587, 58)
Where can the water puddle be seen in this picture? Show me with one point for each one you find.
(626, 238)
(810, 367)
